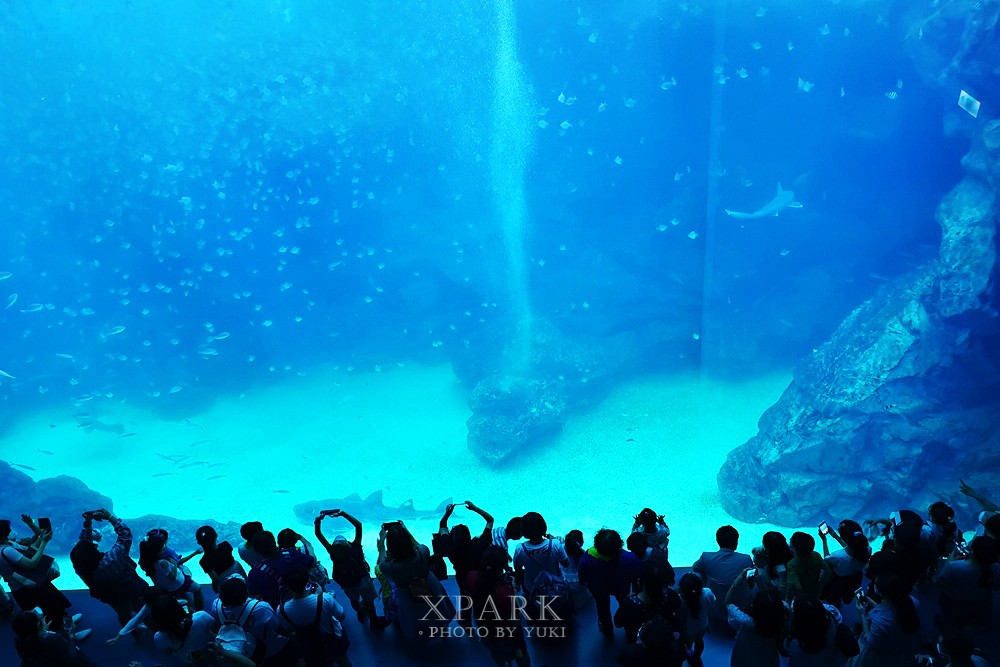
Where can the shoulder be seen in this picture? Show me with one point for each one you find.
(9, 553)
(201, 619)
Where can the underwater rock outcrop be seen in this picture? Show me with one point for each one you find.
(63, 499)
(514, 412)
(901, 402)
(508, 412)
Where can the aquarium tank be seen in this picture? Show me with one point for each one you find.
(732, 261)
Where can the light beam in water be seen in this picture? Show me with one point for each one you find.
(510, 147)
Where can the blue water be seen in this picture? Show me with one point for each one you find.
(200, 197)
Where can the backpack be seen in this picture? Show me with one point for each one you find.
(845, 640)
(314, 647)
(550, 600)
(348, 571)
(233, 635)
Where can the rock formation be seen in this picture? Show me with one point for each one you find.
(904, 400)
(63, 499)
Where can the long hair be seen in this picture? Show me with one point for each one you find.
(399, 544)
(778, 552)
(149, 554)
(690, 591)
(810, 622)
(895, 591)
(768, 613)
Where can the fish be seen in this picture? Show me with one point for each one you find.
(130, 434)
(4, 275)
(192, 464)
(215, 477)
(5, 374)
(97, 425)
(46, 452)
(11, 300)
(163, 474)
(174, 458)
(281, 491)
(783, 200)
(371, 509)
(21, 465)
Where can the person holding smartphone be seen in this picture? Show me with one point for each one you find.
(28, 571)
(846, 564)
(110, 576)
(890, 634)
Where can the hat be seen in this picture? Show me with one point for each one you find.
(205, 534)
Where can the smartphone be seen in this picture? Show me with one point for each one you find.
(45, 523)
(824, 528)
(859, 595)
(750, 574)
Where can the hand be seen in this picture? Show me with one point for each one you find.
(470, 505)
(450, 508)
(28, 521)
(336, 513)
(966, 489)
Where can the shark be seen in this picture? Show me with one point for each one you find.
(784, 199)
(368, 510)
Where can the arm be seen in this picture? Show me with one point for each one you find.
(130, 627)
(825, 572)
(443, 526)
(987, 504)
(24, 561)
(228, 657)
(380, 544)
(826, 547)
(357, 526)
(87, 532)
(487, 517)
(318, 528)
(197, 552)
(123, 536)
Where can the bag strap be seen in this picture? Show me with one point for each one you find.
(319, 609)
(248, 611)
